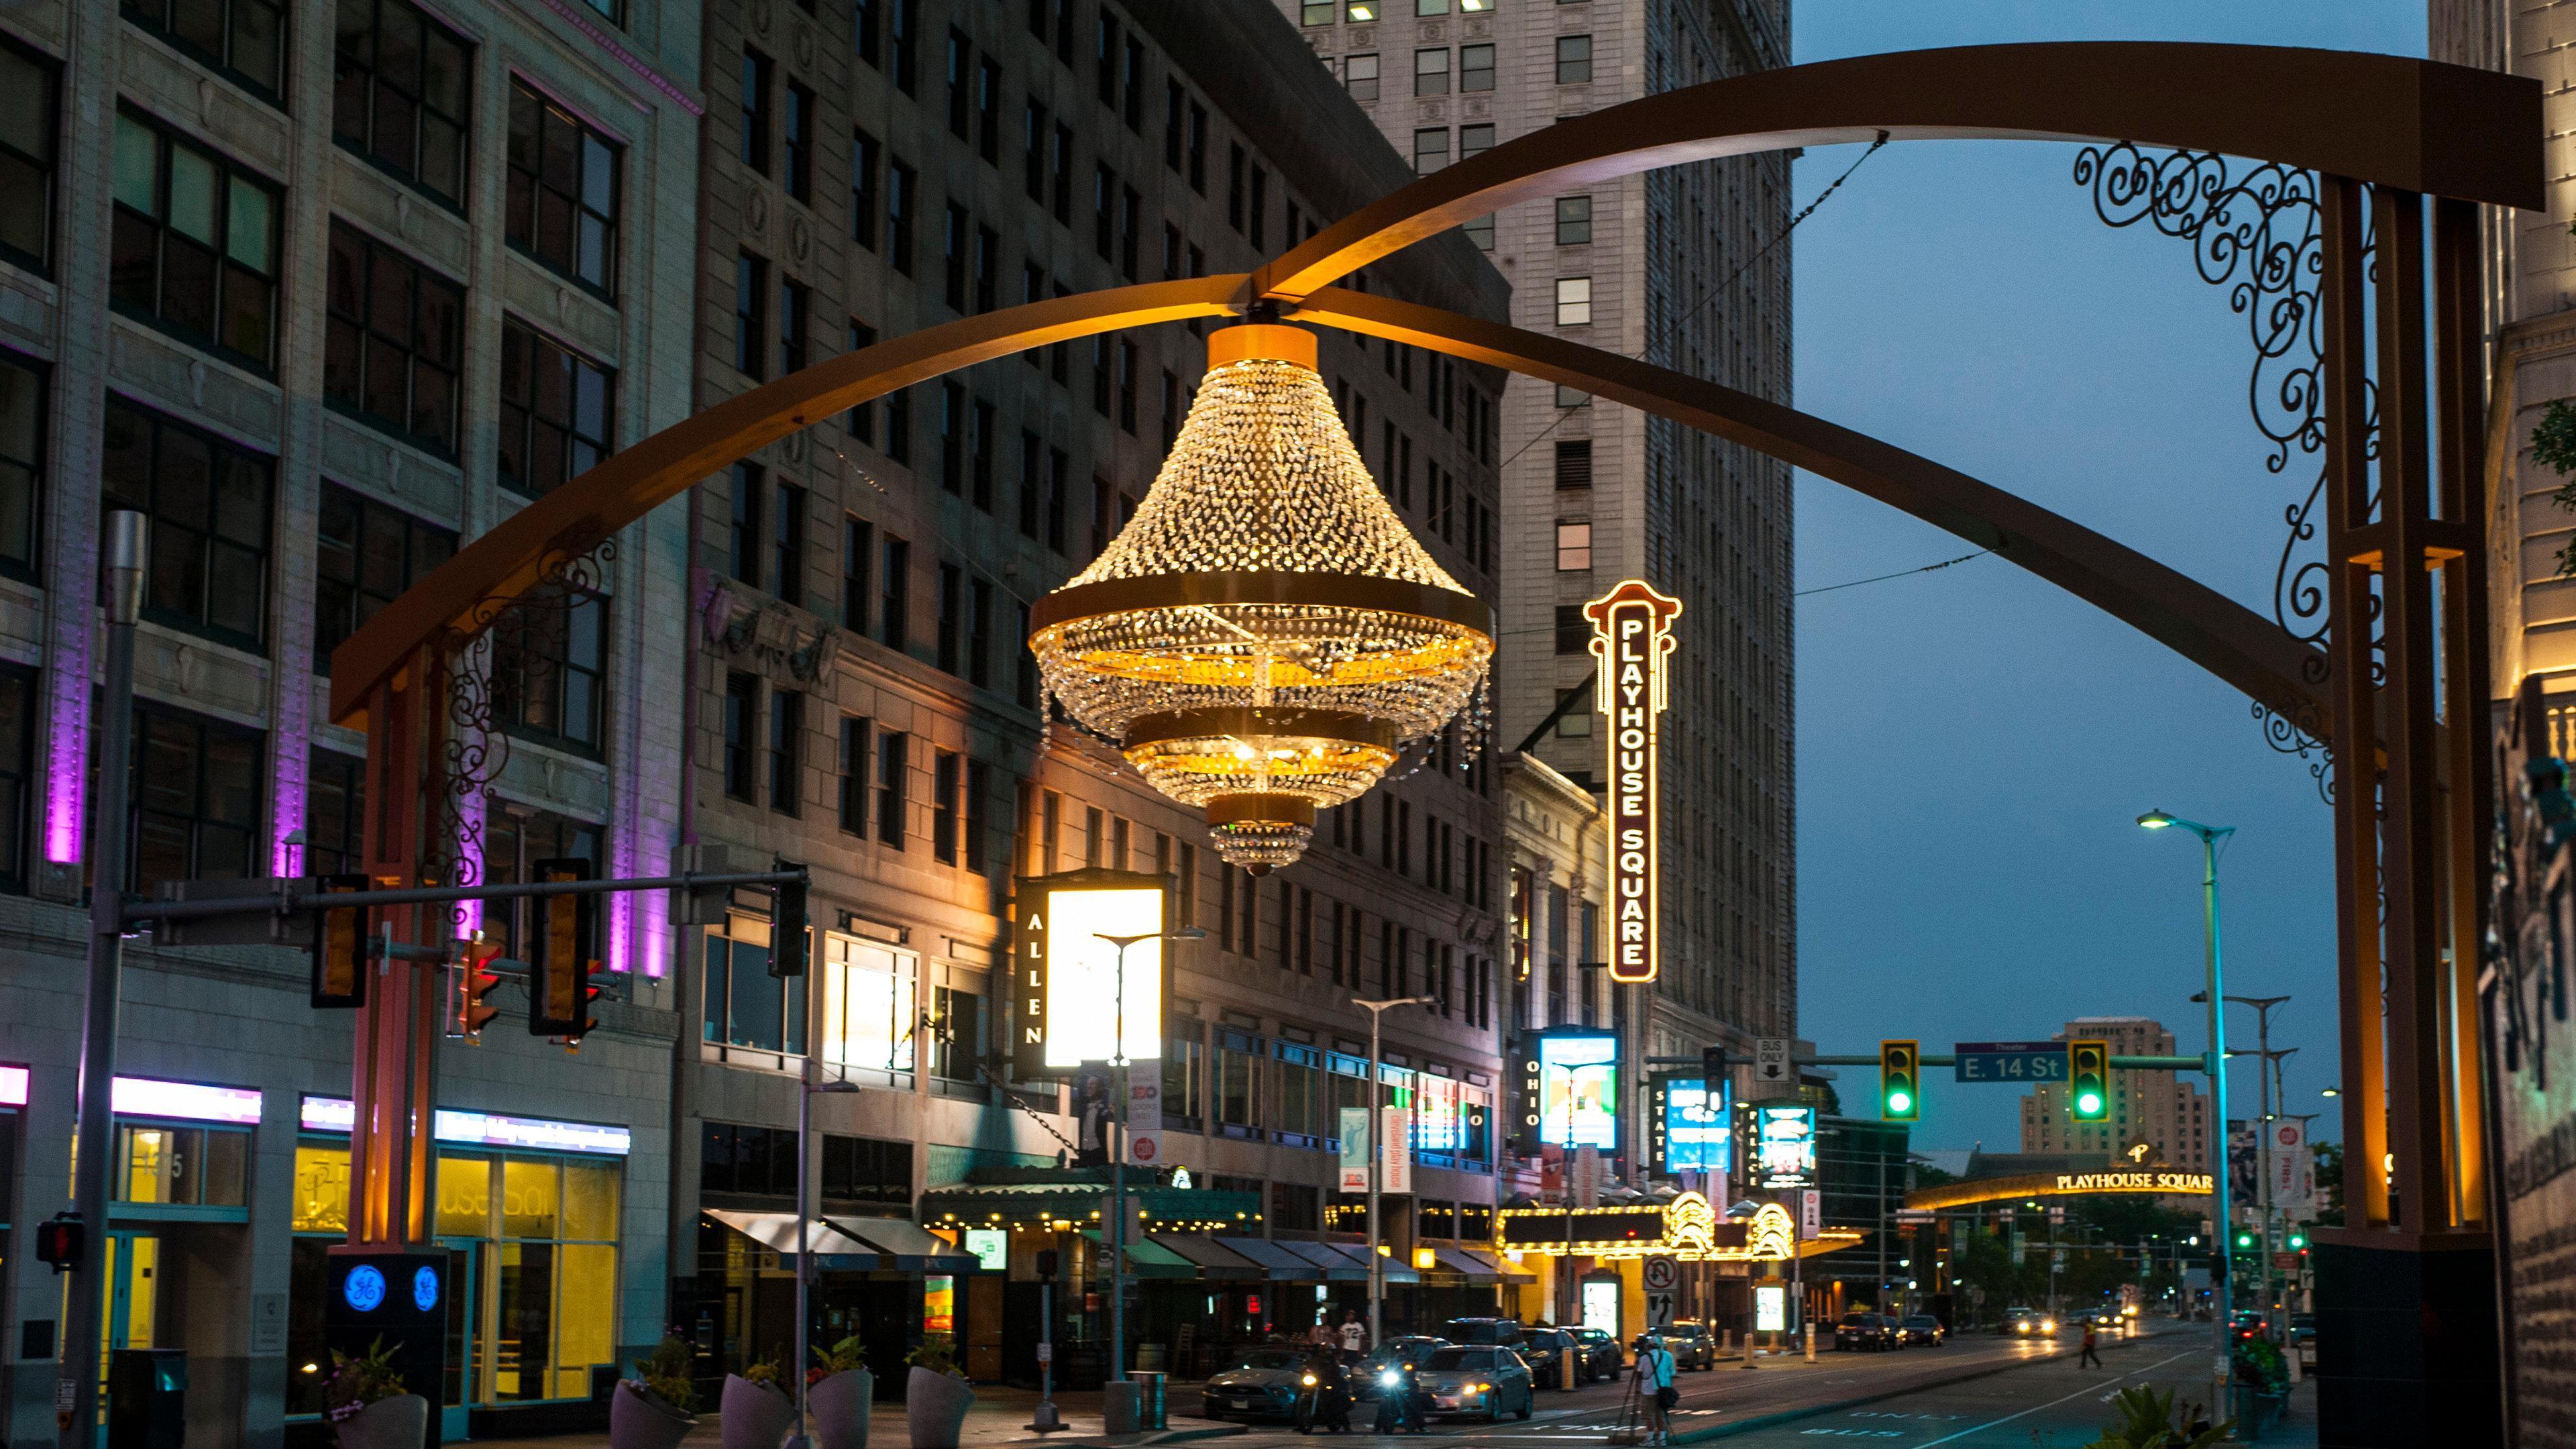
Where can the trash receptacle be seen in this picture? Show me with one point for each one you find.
(1151, 1412)
(147, 1398)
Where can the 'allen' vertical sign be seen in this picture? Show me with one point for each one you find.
(1632, 636)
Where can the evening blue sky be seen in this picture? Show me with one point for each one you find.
(1974, 744)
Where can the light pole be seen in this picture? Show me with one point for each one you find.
(1377, 1155)
(1116, 1236)
(2264, 1098)
(809, 1086)
(2210, 838)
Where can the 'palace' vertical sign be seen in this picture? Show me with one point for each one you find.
(1632, 635)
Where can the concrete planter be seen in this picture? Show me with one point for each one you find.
(754, 1416)
(639, 1418)
(837, 1409)
(935, 1407)
(401, 1422)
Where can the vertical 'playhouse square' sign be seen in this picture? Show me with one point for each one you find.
(1632, 636)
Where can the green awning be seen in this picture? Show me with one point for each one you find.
(1149, 1259)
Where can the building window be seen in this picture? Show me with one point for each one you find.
(893, 761)
(753, 145)
(369, 553)
(335, 812)
(952, 251)
(988, 109)
(395, 340)
(799, 134)
(741, 739)
(1359, 12)
(952, 582)
(1573, 220)
(1431, 72)
(515, 838)
(858, 542)
(958, 1017)
(1475, 68)
(1573, 631)
(943, 807)
(197, 787)
(745, 1005)
(902, 199)
(792, 295)
(1573, 546)
(1474, 141)
(742, 525)
(905, 39)
(1574, 301)
(1316, 12)
(549, 673)
(563, 199)
(854, 775)
(787, 546)
(871, 1010)
(961, 107)
(1574, 463)
(894, 597)
(1430, 149)
(400, 93)
(1127, 366)
(861, 419)
(27, 130)
(979, 632)
(1573, 59)
(22, 460)
(750, 290)
(244, 39)
(556, 410)
(864, 163)
(209, 503)
(195, 243)
(786, 751)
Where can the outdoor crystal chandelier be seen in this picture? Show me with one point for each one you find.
(1265, 636)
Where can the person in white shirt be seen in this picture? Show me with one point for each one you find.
(1655, 1391)
(1354, 1334)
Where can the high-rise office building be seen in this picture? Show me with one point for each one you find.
(1672, 267)
(2165, 1111)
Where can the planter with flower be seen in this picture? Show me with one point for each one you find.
(651, 1410)
(936, 1397)
(839, 1394)
(757, 1410)
(367, 1406)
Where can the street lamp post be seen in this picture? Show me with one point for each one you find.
(1377, 1154)
(2211, 836)
(2264, 1069)
(1116, 1230)
(809, 1086)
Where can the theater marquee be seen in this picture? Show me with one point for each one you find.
(1632, 635)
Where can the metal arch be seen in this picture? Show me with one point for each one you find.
(578, 516)
(2226, 638)
(2416, 125)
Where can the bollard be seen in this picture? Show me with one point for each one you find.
(1118, 1407)
(1811, 1343)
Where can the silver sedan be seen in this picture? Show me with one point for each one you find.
(1487, 1381)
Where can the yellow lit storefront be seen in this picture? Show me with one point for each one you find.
(1602, 1251)
(530, 1211)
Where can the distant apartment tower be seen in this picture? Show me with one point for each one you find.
(2163, 1109)
(1646, 266)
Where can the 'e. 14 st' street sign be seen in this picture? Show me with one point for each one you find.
(2009, 1061)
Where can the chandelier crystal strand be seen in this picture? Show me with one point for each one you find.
(1265, 637)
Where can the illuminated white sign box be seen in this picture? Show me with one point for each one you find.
(1074, 1003)
(485, 1129)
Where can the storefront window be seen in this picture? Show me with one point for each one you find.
(1185, 1081)
(181, 1166)
(1300, 1080)
(1437, 1126)
(1238, 1081)
(321, 1190)
(869, 993)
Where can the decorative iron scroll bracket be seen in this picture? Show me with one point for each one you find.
(2256, 231)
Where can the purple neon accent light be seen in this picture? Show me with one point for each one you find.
(472, 813)
(13, 1086)
(191, 1101)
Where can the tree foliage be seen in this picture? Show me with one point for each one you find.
(2553, 446)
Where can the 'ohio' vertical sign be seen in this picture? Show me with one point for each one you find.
(1632, 637)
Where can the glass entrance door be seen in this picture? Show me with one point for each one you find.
(464, 1292)
(127, 1315)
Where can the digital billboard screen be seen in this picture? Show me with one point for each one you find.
(1780, 1145)
(1574, 1081)
(1699, 1126)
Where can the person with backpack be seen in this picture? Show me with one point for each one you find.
(1655, 1391)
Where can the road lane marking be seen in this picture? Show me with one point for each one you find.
(2035, 1408)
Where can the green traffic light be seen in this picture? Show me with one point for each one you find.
(1900, 1100)
(2298, 1240)
(2088, 1104)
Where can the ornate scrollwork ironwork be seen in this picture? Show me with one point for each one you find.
(2256, 229)
(476, 749)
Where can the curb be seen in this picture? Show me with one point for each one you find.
(1136, 1441)
(1809, 1411)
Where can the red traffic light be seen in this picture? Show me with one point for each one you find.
(60, 1242)
(469, 981)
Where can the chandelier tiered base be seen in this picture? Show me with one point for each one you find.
(1265, 637)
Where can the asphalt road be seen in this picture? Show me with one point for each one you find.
(2022, 1387)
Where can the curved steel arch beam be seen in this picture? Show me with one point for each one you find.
(2195, 621)
(574, 518)
(2417, 125)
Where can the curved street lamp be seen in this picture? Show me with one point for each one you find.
(2211, 837)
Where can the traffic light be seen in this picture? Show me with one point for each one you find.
(1712, 1069)
(469, 979)
(2244, 1241)
(563, 951)
(340, 946)
(60, 1242)
(2298, 1241)
(787, 925)
(2088, 1079)
(1900, 1094)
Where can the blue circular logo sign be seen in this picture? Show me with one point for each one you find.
(424, 1288)
(364, 1288)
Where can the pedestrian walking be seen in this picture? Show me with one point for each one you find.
(1322, 1335)
(1655, 1391)
(2090, 1357)
(1354, 1333)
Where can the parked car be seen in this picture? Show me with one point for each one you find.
(2247, 1323)
(1866, 1331)
(1921, 1328)
(2303, 1337)
(1602, 1356)
(1544, 1349)
(1262, 1383)
(1484, 1381)
(1471, 1332)
(2029, 1323)
(1690, 1343)
(1409, 1349)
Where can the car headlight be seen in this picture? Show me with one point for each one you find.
(1387, 1378)
(1308, 1381)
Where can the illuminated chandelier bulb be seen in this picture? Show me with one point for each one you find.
(1265, 636)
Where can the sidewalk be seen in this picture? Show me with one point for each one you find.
(1000, 1415)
